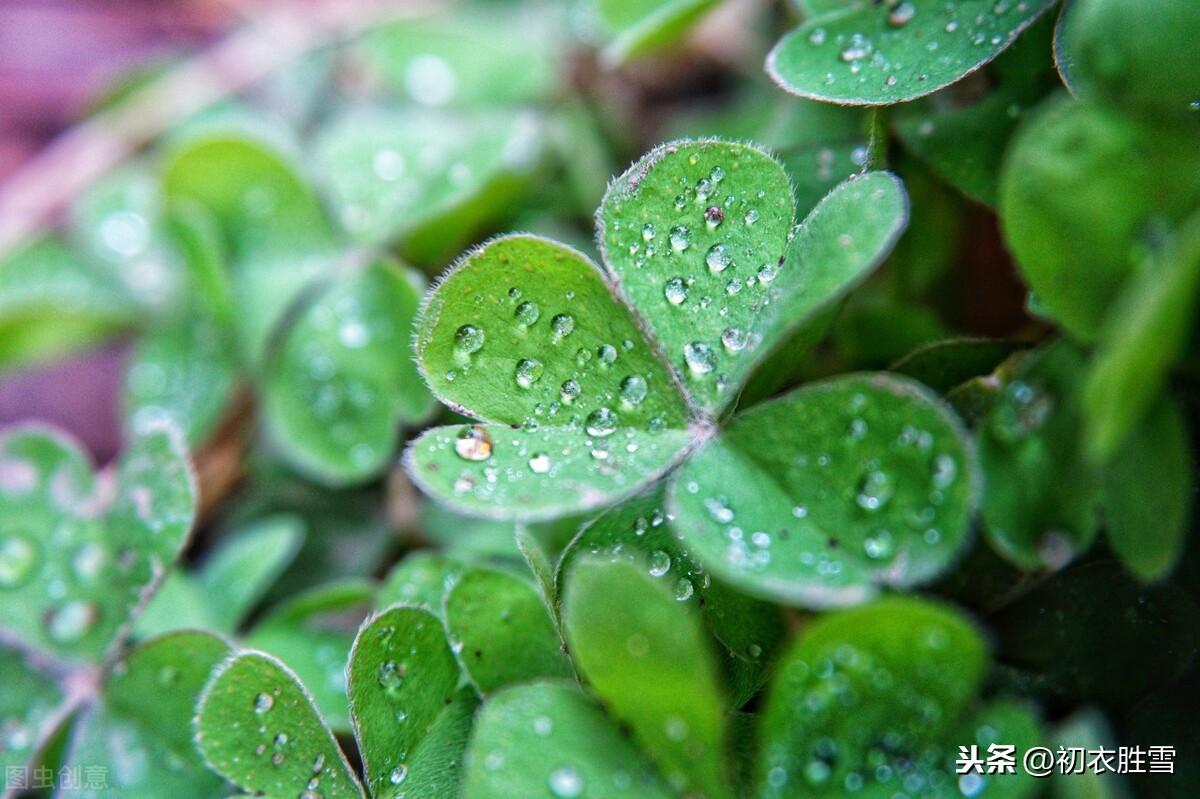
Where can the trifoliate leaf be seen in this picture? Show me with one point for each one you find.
(818, 497)
(883, 53)
(79, 555)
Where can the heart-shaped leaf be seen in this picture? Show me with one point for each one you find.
(879, 54)
(1081, 187)
(431, 179)
(698, 236)
(151, 741)
(257, 726)
(402, 680)
(646, 657)
(231, 580)
(1147, 492)
(30, 705)
(1147, 68)
(869, 700)
(546, 740)
(749, 628)
(502, 630)
(313, 632)
(336, 391)
(1042, 491)
(79, 555)
(526, 332)
(819, 496)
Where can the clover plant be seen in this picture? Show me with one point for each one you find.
(848, 430)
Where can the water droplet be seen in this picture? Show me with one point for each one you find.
(391, 676)
(18, 560)
(684, 589)
(569, 391)
(633, 389)
(606, 354)
(72, 621)
(398, 774)
(699, 357)
(539, 463)
(817, 36)
(543, 726)
(713, 216)
(875, 488)
(944, 471)
(473, 443)
(263, 702)
(859, 47)
(902, 14)
(527, 313)
(648, 232)
(563, 325)
(733, 339)
(566, 782)
(675, 291)
(717, 258)
(601, 422)
(468, 339)
(751, 217)
(529, 371)
(878, 545)
(679, 238)
(660, 563)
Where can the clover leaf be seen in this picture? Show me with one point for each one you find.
(80, 553)
(872, 53)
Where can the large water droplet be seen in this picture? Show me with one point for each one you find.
(398, 775)
(569, 391)
(563, 325)
(468, 339)
(473, 443)
(675, 291)
(902, 14)
(718, 258)
(857, 48)
(529, 371)
(699, 357)
(660, 563)
(72, 621)
(539, 463)
(733, 339)
(391, 676)
(633, 389)
(566, 782)
(601, 422)
(679, 238)
(527, 313)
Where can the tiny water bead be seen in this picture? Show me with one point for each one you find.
(902, 14)
(875, 488)
(263, 703)
(679, 238)
(72, 621)
(398, 775)
(473, 443)
(563, 325)
(733, 339)
(528, 372)
(648, 232)
(601, 422)
(569, 391)
(633, 389)
(566, 782)
(468, 340)
(660, 563)
(18, 560)
(713, 217)
(391, 676)
(539, 463)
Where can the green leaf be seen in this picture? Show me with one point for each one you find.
(76, 561)
(257, 726)
(31, 706)
(635, 27)
(246, 175)
(335, 392)
(430, 179)
(819, 496)
(1040, 504)
(558, 357)
(546, 740)
(1144, 336)
(639, 527)
(502, 630)
(312, 632)
(402, 679)
(879, 54)
(1147, 492)
(865, 696)
(696, 235)
(646, 657)
(1137, 56)
(51, 302)
(1087, 730)
(422, 579)
(462, 59)
(1085, 196)
(185, 373)
(147, 745)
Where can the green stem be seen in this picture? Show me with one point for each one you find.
(877, 140)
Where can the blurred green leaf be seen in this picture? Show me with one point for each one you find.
(634, 28)
(30, 704)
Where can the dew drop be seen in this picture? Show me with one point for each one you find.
(679, 238)
(859, 47)
(633, 389)
(660, 563)
(675, 291)
(875, 488)
(902, 14)
(713, 216)
(717, 258)
(563, 325)
(648, 232)
(529, 371)
(468, 339)
(539, 463)
(601, 422)
(566, 782)
(699, 357)
(398, 774)
(72, 621)
(391, 676)
(527, 313)
(733, 339)
(263, 702)
(473, 443)
(569, 391)
(18, 560)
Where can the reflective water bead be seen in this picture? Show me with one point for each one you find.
(468, 339)
(675, 291)
(699, 357)
(717, 258)
(601, 422)
(527, 313)
(473, 443)
(633, 389)
(528, 372)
